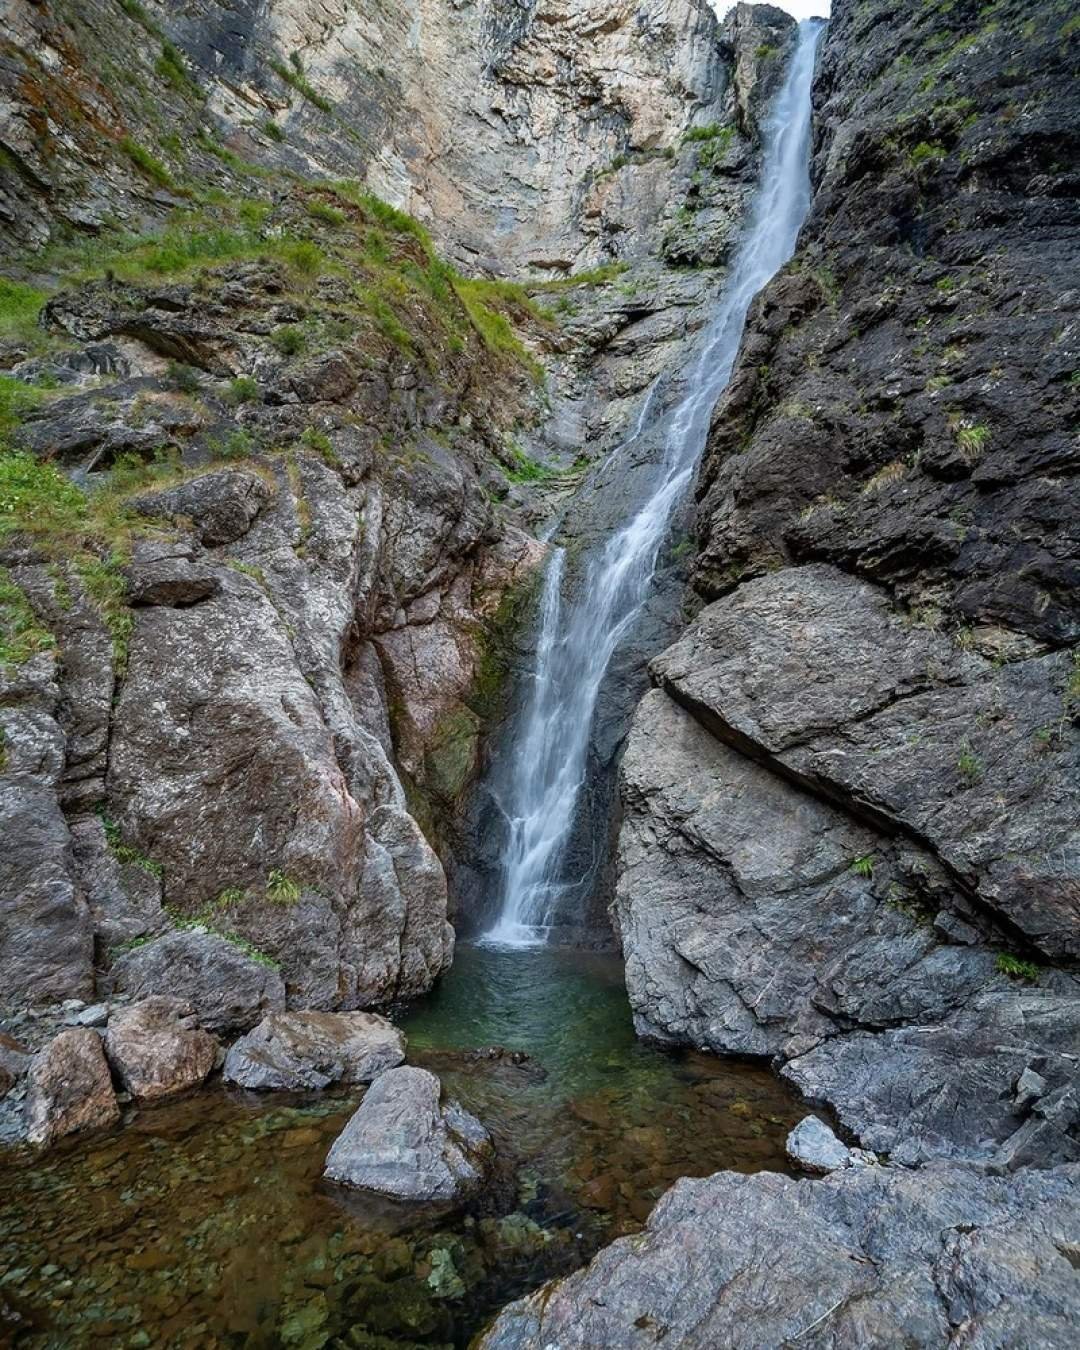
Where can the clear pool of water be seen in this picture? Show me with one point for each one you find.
(206, 1222)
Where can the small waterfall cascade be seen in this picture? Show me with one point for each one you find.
(576, 640)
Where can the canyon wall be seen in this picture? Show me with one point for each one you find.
(851, 803)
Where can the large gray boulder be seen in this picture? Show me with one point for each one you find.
(868, 1256)
(301, 1050)
(157, 1049)
(759, 919)
(404, 1141)
(69, 1088)
(228, 989)
(814, 672)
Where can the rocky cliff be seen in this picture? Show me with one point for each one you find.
(270, 453)
(851, 802)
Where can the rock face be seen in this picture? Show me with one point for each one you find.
(869, 1256)
(157, 1050)
(534, 136)
(69, 1088)
(303, 1050)
(849, 840)
(228, 990)
(405, 1142)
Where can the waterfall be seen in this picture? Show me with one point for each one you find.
(576, 640)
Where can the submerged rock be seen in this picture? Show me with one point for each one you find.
(867, 1256)
(404, 1141)
(298, 1050)
(228, 989)
(69, 1088)
(157, 1049)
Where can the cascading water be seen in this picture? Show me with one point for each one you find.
(576, 641)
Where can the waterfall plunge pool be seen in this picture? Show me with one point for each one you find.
(206, 1223)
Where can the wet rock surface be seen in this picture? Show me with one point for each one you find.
(867, 1255)
(405, 1141)
(156, 1048)
(305, 1050)
(69, 1088)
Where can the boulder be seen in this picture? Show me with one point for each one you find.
(759, 919)
(69, 1088)
(157, 1049)
(303, 1050)
(228, 989)
(222, 505)
(812, 1147)
(404, 1141)
(867, 1256)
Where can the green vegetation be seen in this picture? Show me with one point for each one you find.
(971, 439)
(19, 309)
(272, 130)
(124, 853)
(864, 866)
(595, 276)
(172, 68)
(281, 889)
(102, 577)
(144, 160)
(968, 763)
(37, 498)
(319, 441)
(329, 215)
(926, 152)
(238, 444)
(21, 634)
(243, 389)
(288, 340)
(1016, 968)
(183, 377)
(765, 52)
(294, 77)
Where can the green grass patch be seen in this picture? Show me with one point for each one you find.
(172, 68)
(926, 152)
(124, 853)
(103, 580)
(296, 79)
(22, 635)
(143, 160)
(282, 889)
(242, 390)
(36, 498)
(19, 308)
(1016, 968)
(288, 340)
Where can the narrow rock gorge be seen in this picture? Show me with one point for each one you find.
(539, 694)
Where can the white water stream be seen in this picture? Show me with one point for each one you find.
(577, 640)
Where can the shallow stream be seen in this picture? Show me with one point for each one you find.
(205, 1222)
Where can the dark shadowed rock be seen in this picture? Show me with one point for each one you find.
(868, 1256)
(229, 990)
(404, 1141)
(69, 1088)
(157, 1049)
(300, 1050)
